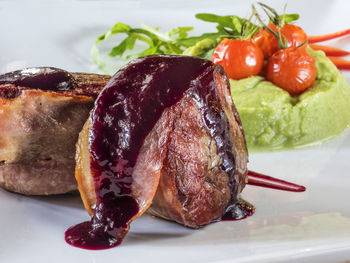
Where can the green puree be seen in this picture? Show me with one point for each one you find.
(274, 120)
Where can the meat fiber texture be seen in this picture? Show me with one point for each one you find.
(179, 162)
(192, 190)
(38, 133)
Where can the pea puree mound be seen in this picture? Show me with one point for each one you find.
(274, 120)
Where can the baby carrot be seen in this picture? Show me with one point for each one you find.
(315, 39)
(330, 51)
(340, 63)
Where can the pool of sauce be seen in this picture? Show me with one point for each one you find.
(124, 114)
(242, 209)
(138, 94)
(238, 211)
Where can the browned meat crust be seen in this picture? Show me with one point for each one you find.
(192, 190)
(38, 132)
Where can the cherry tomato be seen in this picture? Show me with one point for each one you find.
(292, 69)
(268, 42)
(239, 58)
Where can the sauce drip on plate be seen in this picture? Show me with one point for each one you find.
(124, 114)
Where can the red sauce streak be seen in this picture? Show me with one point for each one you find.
(125, 112)
(240, 210)
(266, 181)
(41, 78)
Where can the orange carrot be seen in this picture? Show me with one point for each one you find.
(315, 39)
(330, 51)
(340, 63)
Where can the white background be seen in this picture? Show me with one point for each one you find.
(313, 226)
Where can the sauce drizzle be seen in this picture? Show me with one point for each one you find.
(125, 112)
(42, 78)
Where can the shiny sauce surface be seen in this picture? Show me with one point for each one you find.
(124, 114)
(42, 78)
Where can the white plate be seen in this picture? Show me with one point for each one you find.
(313, 226)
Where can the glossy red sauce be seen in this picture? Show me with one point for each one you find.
(138, 95)
(242, 209)
(238, 211)
(9, 91)
(125, 112)
(42, 78)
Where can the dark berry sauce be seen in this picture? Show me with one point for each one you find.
(242, 209)
(42, 78)
(125, 112)
(86, 235)
(9, 91)
(238, 211)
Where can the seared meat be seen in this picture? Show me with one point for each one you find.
(193, 190)
(163, 125)
(42, 112)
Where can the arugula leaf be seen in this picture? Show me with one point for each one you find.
(275, 18)
(127, 43)
(288, 18)
(229, 26)
(156, 42)
(169, 42)
(181, 31)
(204, 48)
(191, 41)
(149, 40)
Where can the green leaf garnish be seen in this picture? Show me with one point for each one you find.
(148, 40)
(288, 18)
(228, 26)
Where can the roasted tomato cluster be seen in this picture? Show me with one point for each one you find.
(291, 67)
